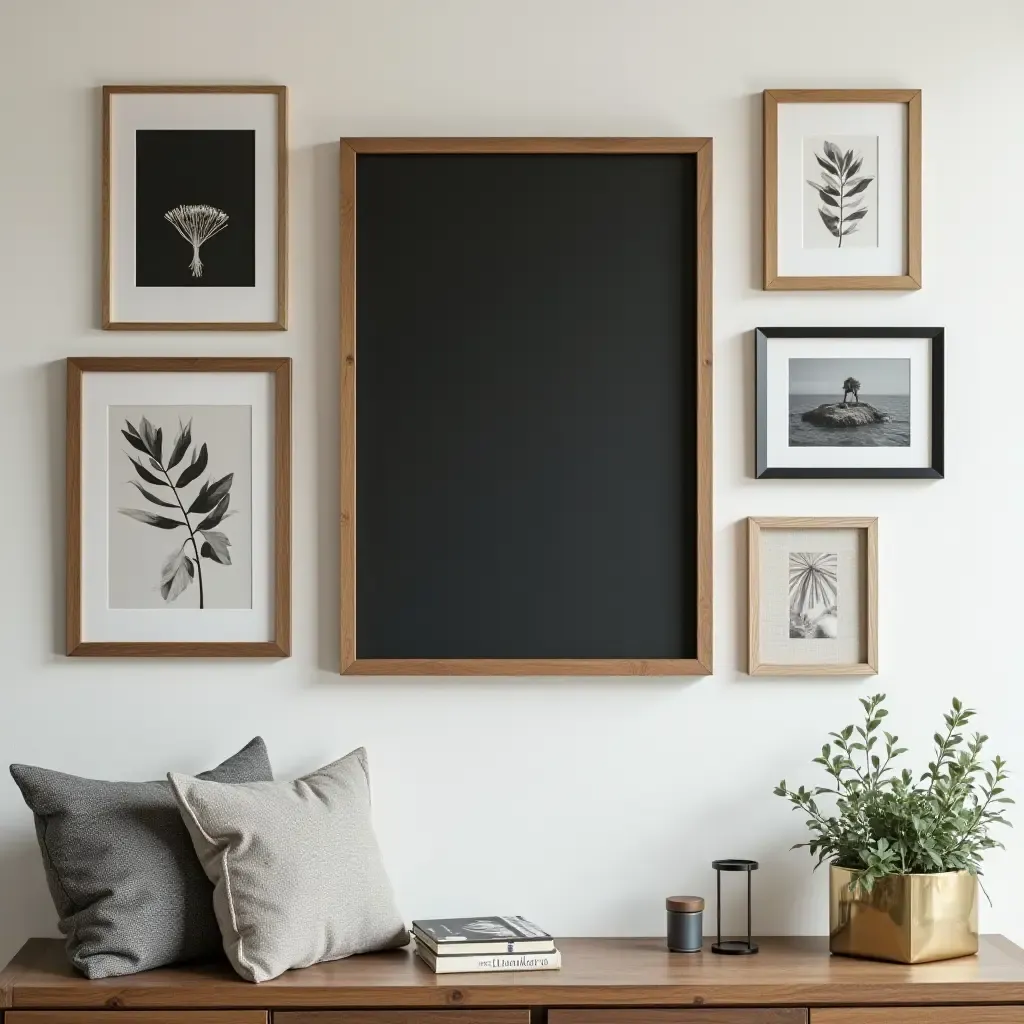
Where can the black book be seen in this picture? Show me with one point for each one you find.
(481, 935)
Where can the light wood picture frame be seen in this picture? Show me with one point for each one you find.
(181, 164)
(235, 461)
(817, 582)
(898, 262)
(353, 662)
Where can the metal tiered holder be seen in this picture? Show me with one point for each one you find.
(734, 947)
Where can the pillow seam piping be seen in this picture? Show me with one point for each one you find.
(223, 857)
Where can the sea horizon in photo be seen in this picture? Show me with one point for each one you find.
(893, 434)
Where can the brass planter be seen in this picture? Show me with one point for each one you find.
(909, 919)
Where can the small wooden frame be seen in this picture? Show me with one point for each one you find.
(352, 662)
(910, 278)
(280, 515)
(868, 598)
(109, 319)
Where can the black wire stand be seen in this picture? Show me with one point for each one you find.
(733, 947)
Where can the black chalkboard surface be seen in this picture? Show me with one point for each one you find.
(525, 384)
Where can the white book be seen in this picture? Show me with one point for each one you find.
(467, 963)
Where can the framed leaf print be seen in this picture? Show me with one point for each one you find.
(195, 225)
(813, 596)
(842, 189)
(179, 507)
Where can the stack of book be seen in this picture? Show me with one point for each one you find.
(457, 945)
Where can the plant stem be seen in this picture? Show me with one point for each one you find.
(977, 819)
(845, 748)
(941, 758)
(842, 196)
(810, 810)
(191, 534)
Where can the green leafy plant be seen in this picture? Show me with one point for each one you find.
(210, 504)
(885, 822)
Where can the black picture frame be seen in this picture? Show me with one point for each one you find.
(936, 468)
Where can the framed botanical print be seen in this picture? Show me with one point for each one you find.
(195, 220)
(179, 507)
(813, 596)
(842, 189)
(838, 402)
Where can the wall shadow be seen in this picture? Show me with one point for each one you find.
(753, 114)
(741, 589)
(326, 368)
(52, 383)
(27, 907)
(747, 359)
(89, 186)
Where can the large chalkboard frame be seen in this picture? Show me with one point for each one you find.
(698, 460)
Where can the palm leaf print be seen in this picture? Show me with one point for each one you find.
(813, 580)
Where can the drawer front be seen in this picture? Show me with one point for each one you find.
(136, 1016)
(779, 1015)
(922, 1015)
(402, 1017)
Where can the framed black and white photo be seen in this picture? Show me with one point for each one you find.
(849, 402)
(813, 596)
(842, 189)
(178, 507)
(194, 207)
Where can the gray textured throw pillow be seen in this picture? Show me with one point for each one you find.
(298, 876)
(121, 868)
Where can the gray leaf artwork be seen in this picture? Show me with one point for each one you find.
(187, 500)
(813, 595)
(844, 192)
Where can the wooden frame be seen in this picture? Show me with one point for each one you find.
(936, 468)
(911, 278)
(755, 526)
(351, 663)
(280, 323)
(280, 645)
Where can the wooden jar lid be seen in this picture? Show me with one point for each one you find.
(684, 904)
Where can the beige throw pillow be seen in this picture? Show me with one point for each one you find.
(297, 873)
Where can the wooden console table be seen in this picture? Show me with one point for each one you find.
(603, 981)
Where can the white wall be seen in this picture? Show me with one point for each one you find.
(631, 787)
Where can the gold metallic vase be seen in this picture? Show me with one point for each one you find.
(909, 919)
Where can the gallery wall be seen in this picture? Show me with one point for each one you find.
(580, 803)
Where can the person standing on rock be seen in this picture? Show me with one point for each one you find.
(851, 386)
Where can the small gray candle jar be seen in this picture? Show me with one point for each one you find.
(685, 918)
